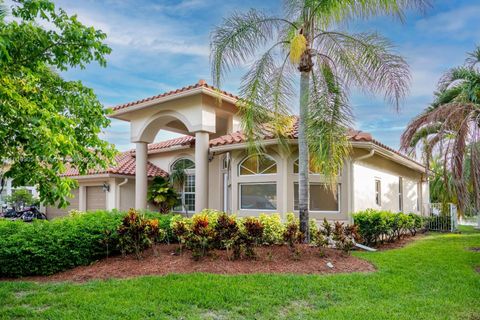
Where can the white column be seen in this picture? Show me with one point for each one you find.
(82, 198)
(141, 181)
(201, 170)
(111, 194)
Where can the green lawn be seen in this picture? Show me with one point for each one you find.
(433, 278)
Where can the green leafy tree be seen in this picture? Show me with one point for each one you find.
(47, 121)
(162, 194)
(449, 128)
(20, 197)
(307, 45)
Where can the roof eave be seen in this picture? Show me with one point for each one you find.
(117, 114)
(356, 144)
(389, 154)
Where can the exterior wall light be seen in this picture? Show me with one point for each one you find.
(106, 187)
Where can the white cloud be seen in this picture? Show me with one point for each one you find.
(160, 34)
(457, 22)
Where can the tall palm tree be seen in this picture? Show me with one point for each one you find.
(308, 42)
(450, 127)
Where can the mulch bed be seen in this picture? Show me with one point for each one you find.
(272, 259)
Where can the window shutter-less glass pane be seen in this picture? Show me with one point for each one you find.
(321, 198)
(258, 196)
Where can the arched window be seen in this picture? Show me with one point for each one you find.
(183, 171)
(255, 194)
(183, 164)
(311, 169)
(258, 164)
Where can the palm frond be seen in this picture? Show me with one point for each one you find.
(329, 119)
(424, 132)
(473, 58)
(267, 92)
(238, 39)
(326, 13)
(3, 11)
(365, 61)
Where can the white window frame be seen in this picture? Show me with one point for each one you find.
(254, 173)
(310, 172)
(419, 195)
(378, 193)
(339, 194)
(257, 183)
(400, 194)
(189, 173)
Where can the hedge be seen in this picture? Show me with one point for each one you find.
(46, 247)
(376, 226)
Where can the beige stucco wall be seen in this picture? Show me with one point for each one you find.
(165, 160)
(126, 195)
(366, 171)
(361, 184)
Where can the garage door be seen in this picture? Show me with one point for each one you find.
(53, 212)
(96, 198)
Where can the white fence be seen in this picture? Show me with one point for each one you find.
(442, 217)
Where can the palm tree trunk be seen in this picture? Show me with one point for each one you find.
(303, 156)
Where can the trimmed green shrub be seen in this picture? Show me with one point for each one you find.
(46, 247)
(375, 226)
(273, 228)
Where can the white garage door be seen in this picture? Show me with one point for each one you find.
(54, 212)
(96, 198)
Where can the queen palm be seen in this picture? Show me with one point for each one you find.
(307, 47)
(450, 127)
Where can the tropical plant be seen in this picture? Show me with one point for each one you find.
(137, 233)
(442, 189)
(292, 236)
(449, 127)
(46, 120)
(251, 236)
(307, 42)
(162, 194)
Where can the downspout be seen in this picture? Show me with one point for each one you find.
(117, 204)
(352, 181)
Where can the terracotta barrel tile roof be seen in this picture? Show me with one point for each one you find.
(124, 165)
(200, 84)
(266, 134)
(182, 141)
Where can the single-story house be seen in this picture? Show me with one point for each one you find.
(221, 175)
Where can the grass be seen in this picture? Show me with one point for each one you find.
(432, 278)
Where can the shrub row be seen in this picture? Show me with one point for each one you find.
(376, 226)
(212, 229)
(46, 247)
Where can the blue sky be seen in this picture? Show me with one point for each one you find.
(162, 45)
